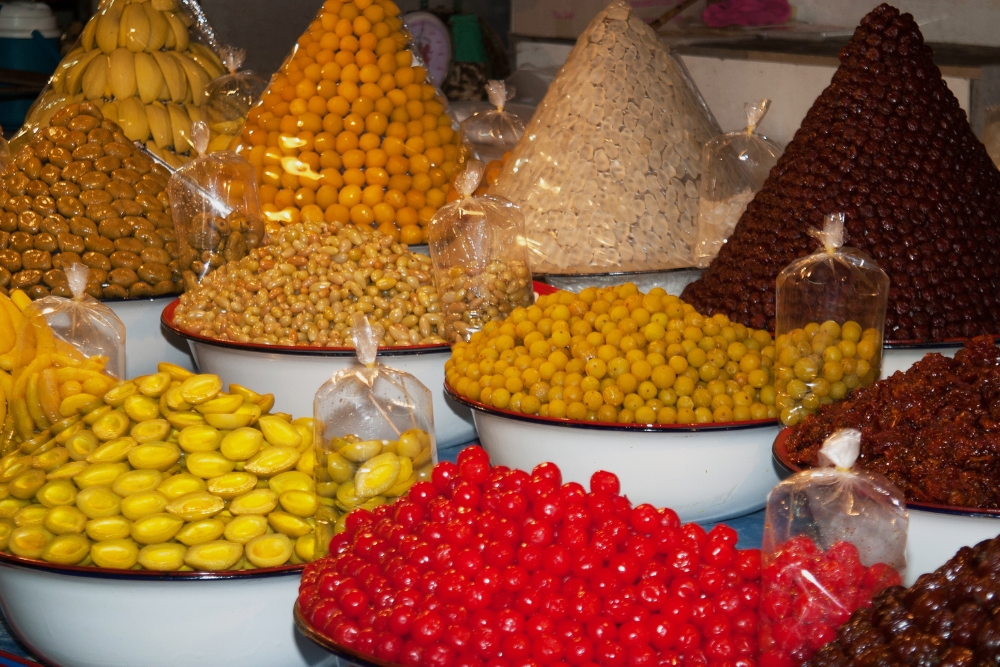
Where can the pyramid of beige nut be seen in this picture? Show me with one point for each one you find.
(608, 169)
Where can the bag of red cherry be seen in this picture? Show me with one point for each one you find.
(834, 537)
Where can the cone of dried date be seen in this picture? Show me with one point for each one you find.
(887, 144)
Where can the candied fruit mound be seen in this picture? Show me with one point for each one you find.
(946, 618)
(886, 144)
(930, 430)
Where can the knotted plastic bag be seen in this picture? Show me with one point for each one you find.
(492, 133)
(480, 258)
(830, 320)
(374, 435)
(85, 323)
(833, 538)
(215, 207)
(228, 98)
(734, 167)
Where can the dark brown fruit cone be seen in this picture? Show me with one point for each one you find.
(887, 144)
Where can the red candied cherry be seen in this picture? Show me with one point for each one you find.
(748, 564)
(443, 475)
(605, 583)
(571, 493)
(775, 658)
(618, 608)
(549, 471)
(584, 607)
(540, 624)
(685, 587)
(820, 635)
(642, 656)
(474, 465)
(486, 523)
(549, 507)
(545, 582)
(515, 480)
(599, 504)
(509, 621)
(500, 554)
(477, 596)
(669, 518)
(527, 602)
(575, 513)
(357, 520)
(485, 641)
(365, 643)
(605, 482)
(514, 578)
(353, 602)
(574, 537)
(626, 567)
(723, 534)
(578, 651)
(508, 530)
(538, 487)
(538, 533)
(716, 625)
(322, 612)
(569, 629)
(468, 562)
(603, 544)
(621, 506)
(408, 598)
(427, 627)
(702, 610)
(745, 623)
(687, 639)
(529, 557)
(586, 563)
(745, 645)
(441, 510)
(683, 561)
(467, 660)
(880, 576)
(719, 554)
(601, 629)
(556, 560)
(556, 606)
(511, 504)
(466, 494)
(345, 633)
(711, 580)
(644, 519)
(438, 655)
(652, 594)
(498, 662)
(547, 649)
(728, 602)
(422, 493)
(720, 648)
(451, 587)
(609, 653)
(666, 540)
(641, 547)
(694, 536)
(458, 533)
(457, 637)
(632, 633)
(516, 646)
(401, 620)
(387, 646)
(662, 632)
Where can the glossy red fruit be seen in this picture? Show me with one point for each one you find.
(605, 482)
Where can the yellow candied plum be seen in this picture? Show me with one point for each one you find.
(209, 464)
(156, 528)
(57, 492)
(98, 502)
(269, 550)
(138, 505)
(246, 527)
(278, 432)
(113, 451)
(200, 389)
(141, 408)
(137, 481)
(181, 484)
(27, 484)
(112, 424)
(65, 519)
(67, 549)
(31, 515)
(305, 548)
(196, 505)
(197, 532)
(50, 460)
(214, 556)
(259, 501)
(293, 480)
(241, 444)
(300, 503)
(99, 474)
(289, 524)
(159, 456)
(163, 557)
(117, 554)
(200, 438)
(7, 527)
(232, 484)
(273, 460)
(154, 385)
(376, 475)
(108, 528)
(150, 431)
(28, 541)
(224, 404)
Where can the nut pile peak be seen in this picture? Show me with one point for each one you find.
(137, 61)
(350, 129)
(490, 566)
(886, 144)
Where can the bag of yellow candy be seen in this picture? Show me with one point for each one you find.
(85, 323)
(215, 207)
(373, 435)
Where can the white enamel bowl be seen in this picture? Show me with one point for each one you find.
(294, 374)
(146, 342)
(704, 473)
(936, 532)
(94, 617)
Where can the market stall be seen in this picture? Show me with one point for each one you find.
(397, 443)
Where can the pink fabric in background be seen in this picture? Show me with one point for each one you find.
(747, 12)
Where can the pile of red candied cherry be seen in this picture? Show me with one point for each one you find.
(492, 567)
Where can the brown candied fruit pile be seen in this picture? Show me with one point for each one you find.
(886, 144)
(948, 618)
(933, 430)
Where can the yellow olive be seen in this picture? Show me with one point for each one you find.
(196, 505)
(269, 550)
(100, 474)
(307, 462)
(339, 468)
(214, 556)
(174, 371)
(197, 532)
(116, 396)
(300, 503)
(357, 452)
(259, 501)
(108, 528)
(31, 515)
(13, 465)
(51, 459)
(154, 385)
(224, 404)
(156, 528)
(98, 501)
(241, 444)
(244, 528)
(25, 485)
(305, 548)
(66, 549)
(56, 493)
(119, 554)
(81, 444)
(65, 519)
(71, 405)
(137, 481)
(291, 480)
(164, 557)
(154, 456)
(68, 470)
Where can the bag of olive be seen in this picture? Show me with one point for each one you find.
(833, 538)
(608, 170)
(480, 258)
(374, 435)
(830, 315)
(85, 323)
(492, 133)
(215, 208)
(228, 98)
(734, 167)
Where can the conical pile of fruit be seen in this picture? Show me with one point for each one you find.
(887, 145)
(137, 62)
(349, 129)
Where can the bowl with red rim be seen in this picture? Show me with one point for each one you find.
(77, 616)
(705, 472)
(936, 531)
(294, 373)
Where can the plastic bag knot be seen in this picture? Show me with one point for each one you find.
(366, 338)
(832, 234)
(841, 449)
(467, 181)
(755, 113)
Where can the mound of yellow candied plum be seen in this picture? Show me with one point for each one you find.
(350, 130)
(820, 363)
(618, 355)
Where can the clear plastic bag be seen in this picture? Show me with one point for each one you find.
(85, 323)
(492, 133)
(608, 171)
(228, 98)
(145, 65)
(833, 538)
(215, 208)
(374, 435)
(830, 320)
(734, 168)
(480, 258)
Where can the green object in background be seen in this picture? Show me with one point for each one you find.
(468, 39)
